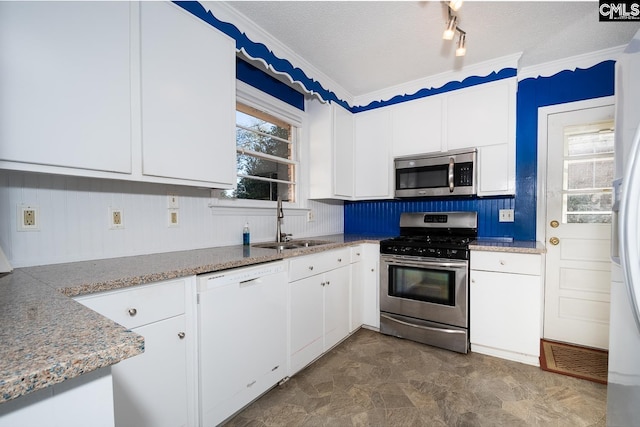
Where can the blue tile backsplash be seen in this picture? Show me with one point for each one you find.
(381, 217)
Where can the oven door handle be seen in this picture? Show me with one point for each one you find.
(446, 331)
(436, 264)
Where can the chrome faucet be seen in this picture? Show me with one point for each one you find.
(279, 217)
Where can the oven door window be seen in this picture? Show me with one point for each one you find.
(422, 284)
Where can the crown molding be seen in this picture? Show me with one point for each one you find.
(224, 12)
(583, 61)
(480, 69)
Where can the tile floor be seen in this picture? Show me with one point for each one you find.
(376, 380)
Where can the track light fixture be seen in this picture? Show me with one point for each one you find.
(452, 27)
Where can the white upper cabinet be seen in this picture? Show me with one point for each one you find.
(481, 115)
(65, 85)
(349, 154)
(116, 90)
(372, 160)
(417, 126)
(188, 97)
(331, 151)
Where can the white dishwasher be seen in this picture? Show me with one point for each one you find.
(242, 331)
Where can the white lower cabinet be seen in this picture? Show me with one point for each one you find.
(506, 305)
(157, 387)
(319, 305)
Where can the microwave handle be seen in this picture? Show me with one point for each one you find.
(451, 163)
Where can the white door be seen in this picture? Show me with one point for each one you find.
(578, 225)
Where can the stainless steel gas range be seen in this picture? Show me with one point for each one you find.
(424, 282)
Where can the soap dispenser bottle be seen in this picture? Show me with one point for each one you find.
(245, 235)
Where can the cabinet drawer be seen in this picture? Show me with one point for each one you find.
(310, 265)
(356, 254)
(140, 305)
(506, 262)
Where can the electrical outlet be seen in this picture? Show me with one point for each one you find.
(310, 216)
(173, 218)
(116, 218)
(505, 215)
(28, 218)
(172, 201)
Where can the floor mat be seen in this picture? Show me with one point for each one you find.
(580, 362)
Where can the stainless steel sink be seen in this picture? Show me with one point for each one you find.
(292, 244)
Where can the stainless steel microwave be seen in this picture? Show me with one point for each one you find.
(439, 174)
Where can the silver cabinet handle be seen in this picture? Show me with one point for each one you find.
(322, 284)
(251, 383)
(311, 267)
(451, 163)
(181, 335)
(132, 312)
(328, 282)
(339, 259)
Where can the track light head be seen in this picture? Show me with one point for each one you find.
(450, 31)
(462, 45)
(455, 5)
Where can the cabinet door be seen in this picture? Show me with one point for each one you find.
(505, 311)
(417, 126)
(336, 306)
(371, 285)
(307, 317)
(151, 389)
(188, 97)
(480, 115)
(372, 160)
(496, 170)
(357, 295)
(65, 85)
(343, 156)
(321, 174)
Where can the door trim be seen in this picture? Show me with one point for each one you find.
(541, 183)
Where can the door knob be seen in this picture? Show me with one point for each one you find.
(554, 224)
(554, 241)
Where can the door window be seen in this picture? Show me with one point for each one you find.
(588, 173)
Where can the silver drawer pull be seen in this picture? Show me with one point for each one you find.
(181, 335)
(132, 312)
(251, 383)
(501, 262)
(339, 259)
(311, 267)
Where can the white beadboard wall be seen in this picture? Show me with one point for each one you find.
(74, 219)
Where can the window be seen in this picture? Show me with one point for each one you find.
(588, 173)
(266, 156)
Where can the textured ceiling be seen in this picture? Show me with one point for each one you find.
(367, 46)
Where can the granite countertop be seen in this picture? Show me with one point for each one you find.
(504, 245)
(48, 337)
